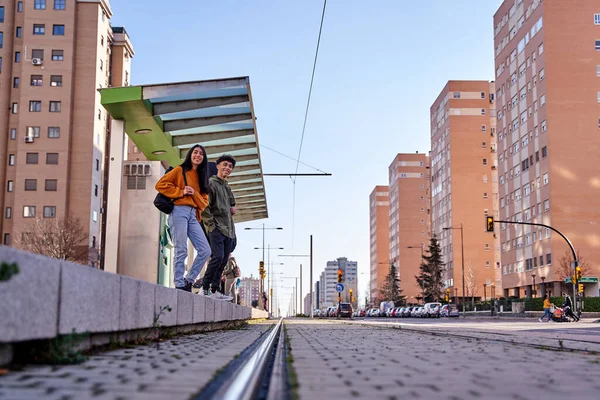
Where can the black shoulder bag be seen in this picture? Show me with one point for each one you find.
(162, 202)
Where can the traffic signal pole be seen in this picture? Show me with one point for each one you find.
(490, 225)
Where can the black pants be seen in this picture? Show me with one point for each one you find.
(221, 247)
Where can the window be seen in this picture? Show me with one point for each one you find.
(598, 70)
(37, 80)
(33, 131)
(0, 61)
(483, 95)
(487, 247)
(58, 30)
(95, 216)
(597, 45)
(548, 258)
(8, 213)
(542, 100)
(13, 133)
(484, 161)
(9, 186)
(35, 106)
(483, 128)
(96, 190)
(544, 126)
(31, 158)
(19, 32)
(542, 74)
(39, 29)
(483, 145)
(28, 211)
(456, 95)
(540, 49)
(546, 205)
(19, 6)
(17, 56)
(55, 106)
(37, 53)
(101, 65)
(57, 55)
(49, 211)
(1, 14)
(60, 4)
(56, 80)
(483, 111)
(53, 132)
(30, 184)
(97, 165)
(6, 239)
(39, 5)
(51, 185)
(11, 159)
(545, 178)
(544, 152)
(16, 82)
(52, 158)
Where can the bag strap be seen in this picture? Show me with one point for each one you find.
(185, 181)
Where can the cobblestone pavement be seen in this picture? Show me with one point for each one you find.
(338, 360)
(176, 369)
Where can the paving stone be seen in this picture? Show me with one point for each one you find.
(163, 297)
(89, 299)
(33, 291)
(137, 304)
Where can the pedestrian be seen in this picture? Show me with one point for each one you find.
(547, 306)
(188, 186)
(568, 307)
(231, 273)
(218, 220)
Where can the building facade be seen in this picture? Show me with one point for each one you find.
(379, 209)
(409, 218)
(54, 56)
(547, 59)
(463, 179)
(249, 291)
(328, 296)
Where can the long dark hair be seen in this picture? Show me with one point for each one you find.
(202, 170)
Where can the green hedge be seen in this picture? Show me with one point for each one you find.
(590, 304)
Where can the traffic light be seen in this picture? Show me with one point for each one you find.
(578, 273)
(340, 276)
(447, 296)
(581, 288)
(351, 296)
(489, 224)
(261, 269)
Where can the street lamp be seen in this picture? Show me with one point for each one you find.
(310, 255)
(263, 228)
(269, 269)
(533, 286)
(543, 278)
(484, 293)
(422, 288)
(462, 250)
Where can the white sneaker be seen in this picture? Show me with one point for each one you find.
(540, 320)
(221, 296)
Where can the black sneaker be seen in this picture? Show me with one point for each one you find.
(186, 288)
(197, 284)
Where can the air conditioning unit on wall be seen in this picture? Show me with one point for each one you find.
(37, 61)
(28, 139)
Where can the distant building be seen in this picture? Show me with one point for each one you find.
(249, 291)
(328, 295)
(379, 212)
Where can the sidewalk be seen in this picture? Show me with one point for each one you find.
(335, 360)
(175, 369)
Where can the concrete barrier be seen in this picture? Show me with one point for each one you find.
(50, 297)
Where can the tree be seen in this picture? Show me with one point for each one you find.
(65, 239)
(430, 272)
(470, 282)
(391, 287)
(564, 266)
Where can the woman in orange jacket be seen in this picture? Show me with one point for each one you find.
(190, 197)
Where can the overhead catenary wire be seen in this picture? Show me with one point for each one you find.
(312, 79)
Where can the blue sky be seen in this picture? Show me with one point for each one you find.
(381, 65)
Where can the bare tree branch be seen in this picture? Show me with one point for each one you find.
(564, 269)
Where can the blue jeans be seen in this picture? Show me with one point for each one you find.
(184, 225)
(547, 313)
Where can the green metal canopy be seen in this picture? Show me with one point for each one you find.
(165, 120)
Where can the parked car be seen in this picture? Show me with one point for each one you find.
(345, 310)
(428, 309)
(449, 310)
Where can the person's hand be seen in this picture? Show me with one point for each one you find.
(188, 190)
(233, 210)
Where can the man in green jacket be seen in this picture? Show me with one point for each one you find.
(218, 220)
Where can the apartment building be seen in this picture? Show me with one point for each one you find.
(547, 59)
(249, 291)
(409, 218)
(379, 209)
(463, 183)
(327, 294)
(54, 55)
